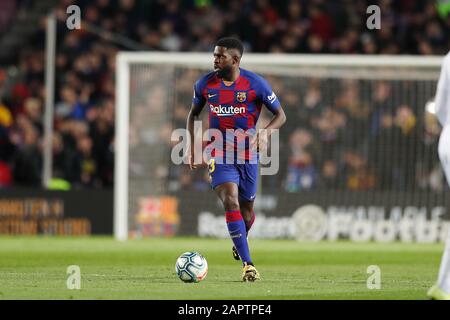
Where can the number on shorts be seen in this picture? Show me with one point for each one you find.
(212, 166)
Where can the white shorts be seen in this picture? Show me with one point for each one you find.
(444, 151)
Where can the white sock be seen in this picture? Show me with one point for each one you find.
(444, 270)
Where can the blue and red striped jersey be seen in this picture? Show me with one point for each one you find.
(237, 106)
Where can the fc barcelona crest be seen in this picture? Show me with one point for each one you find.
(241, 96)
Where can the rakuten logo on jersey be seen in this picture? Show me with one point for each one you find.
(223, 111)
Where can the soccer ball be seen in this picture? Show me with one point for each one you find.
(191, 267)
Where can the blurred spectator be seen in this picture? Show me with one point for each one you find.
(358, 175)
(27, 161)
(5, 175)
(330, 179)
(86, 167)
(71, 105)
(301, 173)
(430, 174)
(7, 12)
(380, 104)
(63, 159)
(382, 151)
(33, 111)
(406, 137)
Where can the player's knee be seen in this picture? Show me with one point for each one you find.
(231, 203)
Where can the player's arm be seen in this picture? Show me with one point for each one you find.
(443, 92)
(198, 102)
(279, 118)
(271, 102)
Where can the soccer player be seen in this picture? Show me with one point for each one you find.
(441, 290)
(235, 97)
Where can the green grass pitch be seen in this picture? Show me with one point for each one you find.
(35, 268)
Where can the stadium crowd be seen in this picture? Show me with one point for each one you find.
(344, 134)
(83, 145)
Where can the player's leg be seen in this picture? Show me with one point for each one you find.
(248, 178)
(247, 213)
(225, 181)
(248, 183)
(228, 194)
(441, 291)
(249, 218)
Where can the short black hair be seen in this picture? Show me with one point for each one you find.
(231, 43)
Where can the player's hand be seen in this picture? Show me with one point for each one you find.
(262, 142)
(188, 158)
(259, 142)
(192, 165)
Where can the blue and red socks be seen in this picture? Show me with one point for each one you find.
(238, 233)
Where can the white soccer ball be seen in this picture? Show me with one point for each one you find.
(191, 267)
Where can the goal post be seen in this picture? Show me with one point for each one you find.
(121, 147)
(151, 87)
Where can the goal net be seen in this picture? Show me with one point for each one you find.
(358, 134)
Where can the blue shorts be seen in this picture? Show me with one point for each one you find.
(245, 175)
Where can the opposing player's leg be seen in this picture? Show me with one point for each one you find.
(441, 290)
